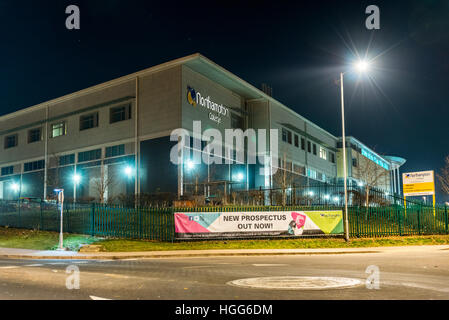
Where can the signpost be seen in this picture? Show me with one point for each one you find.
(421, 183)
(60, 193)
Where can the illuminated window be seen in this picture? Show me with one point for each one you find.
(58, 129)
(323, 153)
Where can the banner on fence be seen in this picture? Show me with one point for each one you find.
(197, 225)
(418, 183)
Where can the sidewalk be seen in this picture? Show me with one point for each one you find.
(7, 253)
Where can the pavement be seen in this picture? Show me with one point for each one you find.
(413, 272)
(10, 253)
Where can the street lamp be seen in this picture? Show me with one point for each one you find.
(360, 66)
(76, 180)
(128, 171)
(15, 187)
(60, 193)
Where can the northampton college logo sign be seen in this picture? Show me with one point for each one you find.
(191, 96)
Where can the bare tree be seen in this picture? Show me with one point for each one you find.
(372, 175)
(103, 183)
(443, 177)
(283, 177)
(54, 179)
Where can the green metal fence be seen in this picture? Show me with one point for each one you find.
(158, 223)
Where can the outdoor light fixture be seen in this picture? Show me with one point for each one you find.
(336, 199)
(15, 187)
(360, 184)
(240, 176)
(311, 193)
(190, 165)
(327, 197)
(128, 171)
(362, 66)
(76, 178)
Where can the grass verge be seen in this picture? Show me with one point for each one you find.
(40, 240)
(46, 240)
(115, 245)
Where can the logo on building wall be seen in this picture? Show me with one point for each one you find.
(216, 110)
(191, 96)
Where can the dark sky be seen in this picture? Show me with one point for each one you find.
(298, 48)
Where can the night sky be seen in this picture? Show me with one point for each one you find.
(400, 109)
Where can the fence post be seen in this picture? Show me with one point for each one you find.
(400, 221)
(41, 219)
(140, 222)
(447, 222)
(419, 220)
(92, 219)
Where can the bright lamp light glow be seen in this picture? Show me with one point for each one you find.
(128, 171)
(327, 197)
(311, 193)
(190, 164)
(336, 199)
(15, 187)
(362, 66)
(240, 176)
(76, 178)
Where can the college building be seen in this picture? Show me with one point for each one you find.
(113, 139)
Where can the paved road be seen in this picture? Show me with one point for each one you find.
(416, 274)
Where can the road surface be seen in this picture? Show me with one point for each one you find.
(409, 274)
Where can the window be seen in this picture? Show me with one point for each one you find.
(296, 141)
(284, 135)
(58, 129)
(354, 162)
(309, 146)
(120, 113)
(7, 170)
(89, 121)
(303, 143)
(89, 155)
(323, 153)
(35, 165)
(311, 173)
(67, 159)
(11, 141)
(299, 169)
(236, 121)
(34, 135)
(314, 149)
(115, 151)
(332, 157)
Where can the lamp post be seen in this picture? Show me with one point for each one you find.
(60, 193)
(361, 66)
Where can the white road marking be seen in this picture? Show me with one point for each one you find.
(194, 267)
(34, 265)
(98, 298)
(269, 264)
(8, 267)
(57, 263)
